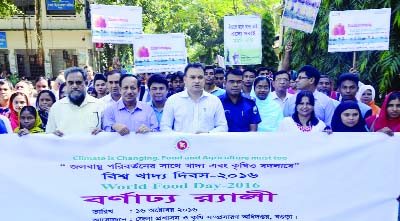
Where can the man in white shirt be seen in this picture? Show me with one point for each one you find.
(77, 112)
(281, 84)
(112, 87)
(193, 110)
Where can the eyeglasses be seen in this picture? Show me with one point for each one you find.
(282, 80)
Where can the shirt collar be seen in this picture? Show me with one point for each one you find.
(88, 99)
(121, 105)
(186, 94)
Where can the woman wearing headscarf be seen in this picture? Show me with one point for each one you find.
(44, 101)
(17, 101)
(269, 110)
(303, 119)
(388, 120)
(29, 121)
(348, 118)
(366, 94)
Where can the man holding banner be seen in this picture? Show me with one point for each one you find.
(193, 110)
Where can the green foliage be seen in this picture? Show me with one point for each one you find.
(8, 9)
(200, 20)
(377, 68)
(268, 35)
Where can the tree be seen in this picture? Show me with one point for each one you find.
(380, 69)
(8, 9)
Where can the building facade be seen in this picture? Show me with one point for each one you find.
(66, 39)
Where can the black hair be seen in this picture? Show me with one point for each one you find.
(32, 110)
(99, 77)
(236, 72)
(209, 67)
(60, 90)
(313, 119)
(193, 65)
(219, 71)
(92, 90)
(349, 77)
(123, 76)
(311, 72)
(261, 78)
(157, 78)
(176, 75)
(114, 71)
(250, 70)
(51, 94)
(394, 96)
(279, 73)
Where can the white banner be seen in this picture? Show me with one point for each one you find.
(115, 24)
(242, 40)
(301, 15)
(160, 52)
(359, 30)
(239, 176)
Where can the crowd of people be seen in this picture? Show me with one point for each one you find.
(201, 99)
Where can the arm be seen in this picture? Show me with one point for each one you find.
(253, 127)
(220, 124)
(286, 59)
(108, 119)
(167, 119)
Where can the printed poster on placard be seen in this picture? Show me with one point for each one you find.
(301, 15)
(115, 24)
(159, 52)
(359, 30)
(189, 177)
(242, 40)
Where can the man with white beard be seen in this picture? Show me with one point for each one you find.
(76, 113)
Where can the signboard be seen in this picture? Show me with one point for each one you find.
(3, 40)
(115, 24)
(159, 53)
(175, 176)
(359, 30)
(60, 5)
(242, 40)
(300, 15)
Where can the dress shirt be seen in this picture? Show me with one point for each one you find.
(142, 114)
(182, 114)
(281, 102)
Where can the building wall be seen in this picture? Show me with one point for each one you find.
(60, 33)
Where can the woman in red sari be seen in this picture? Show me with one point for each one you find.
(388, 120)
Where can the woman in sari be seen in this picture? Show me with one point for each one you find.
(388, 120)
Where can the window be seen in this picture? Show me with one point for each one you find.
(26, 6)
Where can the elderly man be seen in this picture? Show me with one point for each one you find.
(193, 110)
(76, 113)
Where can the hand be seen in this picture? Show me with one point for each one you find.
(23, 132)
(143, 129)
(96, 131)
(353, 70)
(121, 129)
(328, 131)
(58, 133)
(289, 46)
(387, 131)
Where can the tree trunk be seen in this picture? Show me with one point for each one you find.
(39, 35)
